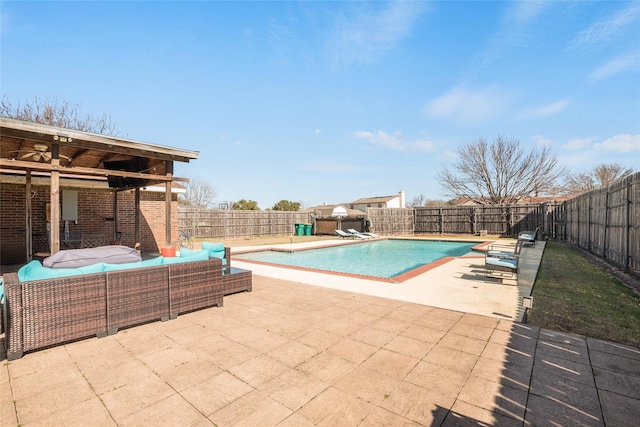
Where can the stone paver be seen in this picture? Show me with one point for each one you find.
(293, 354)
(401, 364)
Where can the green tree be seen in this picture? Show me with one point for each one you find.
(286, 205)
(245, 205)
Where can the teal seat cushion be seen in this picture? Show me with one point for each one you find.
(501, 254)
(502, 262)
(152, 262)
(36, 271)
(87, 269)
(190, 256)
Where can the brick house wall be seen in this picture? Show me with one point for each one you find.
(95, 215)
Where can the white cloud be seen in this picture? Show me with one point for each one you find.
(523, 12)
(541, 141)
(577, 144)
(602, 31)
(318, 131)
(615, 66)
(469, 106)
(449, 155)
(545, 111)
(371, 34)
(622, 143)
(395, 141)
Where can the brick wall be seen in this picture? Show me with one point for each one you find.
(95, 215)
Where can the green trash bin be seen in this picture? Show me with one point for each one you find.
(299, 229)
(307, 229)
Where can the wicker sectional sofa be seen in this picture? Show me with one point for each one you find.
(51, 311)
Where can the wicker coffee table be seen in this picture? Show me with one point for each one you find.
(236, 280)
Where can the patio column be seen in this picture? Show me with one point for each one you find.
(28, 215)
(136, 219)
(167, 204)
(55, 199)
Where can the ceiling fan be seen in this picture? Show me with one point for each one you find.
(41, 153)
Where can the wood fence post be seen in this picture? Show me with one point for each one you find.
(627, 249)
(589, 208)
(606, 225)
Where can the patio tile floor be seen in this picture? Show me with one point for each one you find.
(292, 354)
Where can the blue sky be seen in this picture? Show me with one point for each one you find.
(333, 101)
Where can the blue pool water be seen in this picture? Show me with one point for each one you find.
(380, 258)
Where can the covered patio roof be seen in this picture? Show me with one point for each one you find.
(31, 146)
(28, 148)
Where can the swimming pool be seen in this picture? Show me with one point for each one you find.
(384, 259)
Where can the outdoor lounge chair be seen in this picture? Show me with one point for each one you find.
(344, 235)
(359, 234)
(529, 236)
(493, 264)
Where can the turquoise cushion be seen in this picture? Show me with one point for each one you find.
(216, 250)
(208, 246)
(35, 271)
(192, 256)
(87, 269)
(189, 252)
(502, 262)
(502, 254)
(152, 262)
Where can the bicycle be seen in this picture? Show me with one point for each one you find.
(184, 240)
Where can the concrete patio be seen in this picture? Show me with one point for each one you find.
(297, 354)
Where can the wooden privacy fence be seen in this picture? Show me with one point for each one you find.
(224, 224)
(504, 220)
(606, 222)
(392, 221)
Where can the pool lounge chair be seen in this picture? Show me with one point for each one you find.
(494, 264)
(529, 236)
(359, 234)
(346, 235)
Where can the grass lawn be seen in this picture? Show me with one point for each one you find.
(572, 294)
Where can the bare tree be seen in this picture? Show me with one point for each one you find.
(601, 176)
(199, 193)
(58, 113)
(418, 201)
(501, 172)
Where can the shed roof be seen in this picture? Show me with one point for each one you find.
(327, 210)
(379, 199)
